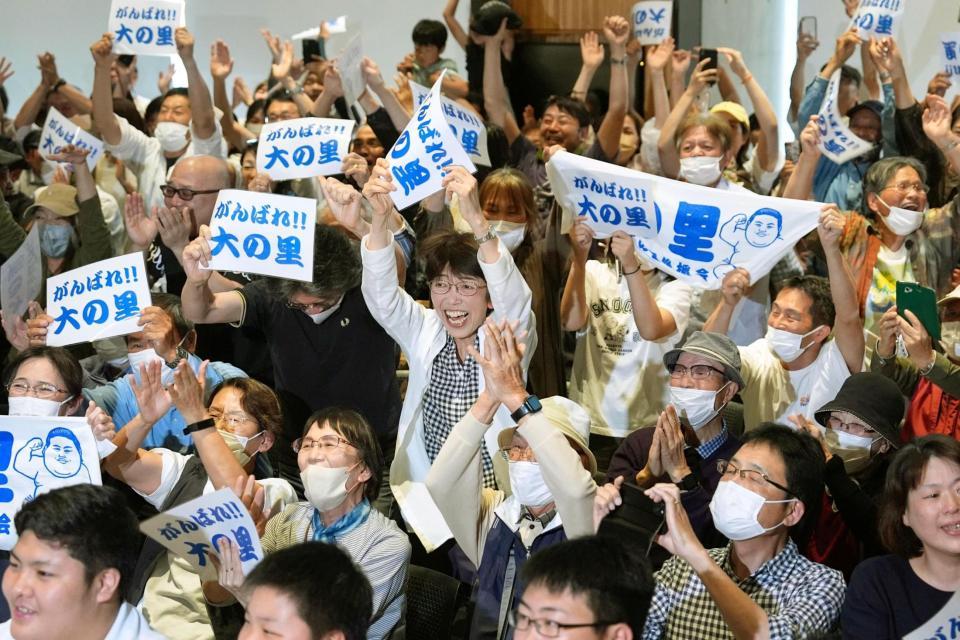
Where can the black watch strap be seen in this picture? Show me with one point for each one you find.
(689, 482)
(530, 405)
(206, 423)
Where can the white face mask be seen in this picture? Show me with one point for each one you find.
(735, 509)
(511, 234)
(318, 318)
(325, 487)
(31, 406)
(238, 445)
(902, 222)
(528, 485)
(702, 170)
(697, 404)
(171, 135)
(786, 344)
(255, 128)
(145, 357)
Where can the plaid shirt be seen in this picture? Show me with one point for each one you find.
(710, 447)
(801, 598)
(454, 387)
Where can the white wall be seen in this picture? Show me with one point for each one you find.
(68, 27)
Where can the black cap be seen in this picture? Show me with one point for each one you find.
(873, 105)
(874, 399)
(487, 20)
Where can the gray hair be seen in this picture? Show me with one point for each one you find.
(882, 171)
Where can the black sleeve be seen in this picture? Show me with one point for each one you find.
(630, 457)
(383, 127)
(858, 509)
(257, 301)
(912, 141)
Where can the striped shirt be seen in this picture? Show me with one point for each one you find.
(801, 598)
(377, 546)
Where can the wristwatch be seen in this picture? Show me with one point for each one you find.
(530, 405)
(489, 235)
(206, 423)
(689, 482)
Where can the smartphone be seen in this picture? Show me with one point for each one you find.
(637, 521)
(312, 50)
(711, 55)
(922, 302)
(808, 26)
(791, 150)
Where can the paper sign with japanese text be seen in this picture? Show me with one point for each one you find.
(263, 233)
(426, 146)
(694, 233)
(146, 27)
(99, 300)
(21, 276)
(877, 18)
(59, 131)
(652, 20)
(40, 454)
(950, 52)
(837, 141)
(348, 64)
(303, 148)
(193, 531)
(465, 124)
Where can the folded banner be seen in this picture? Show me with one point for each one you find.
(100, 300)
(837, 141)
(877, 18)
(263, 233)
(694, 233)
(59, 131)
(304, 147)
(21, 276)
(426, 146)
(651, 21)
(193, 531)
(468, 128)
(40, 454)
(145, 27)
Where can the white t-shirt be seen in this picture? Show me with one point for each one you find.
(619, 377)
(128, 624)
(891, 267)
(772, 393)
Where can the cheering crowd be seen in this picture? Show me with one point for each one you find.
(482, 388)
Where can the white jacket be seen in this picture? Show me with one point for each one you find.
(421, 335)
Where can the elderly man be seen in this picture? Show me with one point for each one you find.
(551, 478)
(704, 378)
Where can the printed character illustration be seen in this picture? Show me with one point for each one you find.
(760, 230)
(48, 463)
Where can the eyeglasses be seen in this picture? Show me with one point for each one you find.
(185, 194)
(906, 187)
(727, 468)
(310, 306)
(546, 627)
(837, 425)
(233, 420)
(327, 444)
(696, 372)
(467, 288)
(518, 454)
(43, 390)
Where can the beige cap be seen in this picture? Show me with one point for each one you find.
(567, 416)
(59, 198)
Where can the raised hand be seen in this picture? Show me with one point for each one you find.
(701, 77)
(100, 423)
(830, 227)
(377, 191)
(680, 61)
(152, 399)
(804, 423)
(938, 84)
(140, 229)
(241, 92)
(810, 138)
(221, 64)
(38, 322)
(343, 200)
(918, 342)
(501, 363)
(165, 79)
(280, 69)
(581, 237)
(355, 167)
(735, 285)
(273, 43)
(735, 60)
(806, 45)
(847, 43)
(888, 329)
(102, 51)
(72, 154)
(937, 121)
(176, 226)
(332, 85)
(186, 392)
(459, 181)
(606, 500)
(623, 247)
(184, 41)
(660, 55)
(616, 29)
(230, 568)
(591, 51)
(6, 70)
(196, 255)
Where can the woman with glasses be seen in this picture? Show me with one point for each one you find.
(627, 315)
(239, 422)
(859, 431)
(471, 276)
(340, 462)
(915, 592)
(44, 381)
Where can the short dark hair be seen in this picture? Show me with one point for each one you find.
(153, 109)
(817, 288)
(430, 32)
(330, 592)
(93, 524)
(280, 96)
(126, 109)
(358, 432)
(31, 140)
(804, 464)
(258, 401)
(10, 145)
(336, 266)
(570, 106)
(126, 59)
(450, 248)
(62, 432)
(173, 306)
(614, 578)
(62, 360)
(258, 105)
(903, 476)
(176, 91)
(850, 74)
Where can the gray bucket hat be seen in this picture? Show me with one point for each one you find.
(715, 346)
